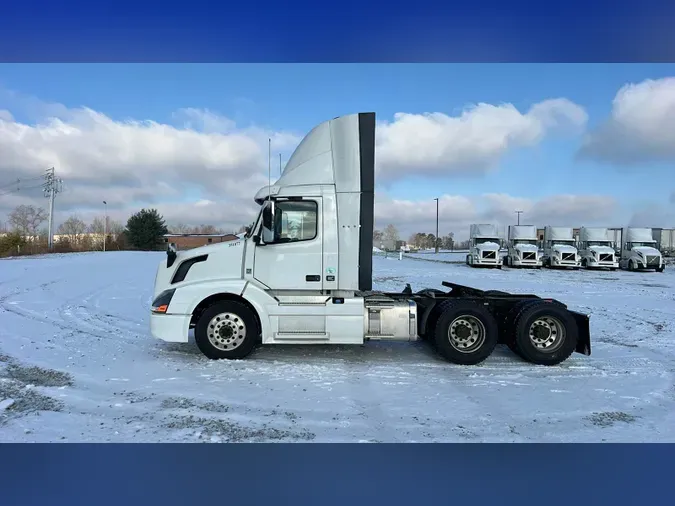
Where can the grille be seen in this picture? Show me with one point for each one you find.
(490, 255)
(529, 256)
(568, 257)
(606, 257)
(653, 260)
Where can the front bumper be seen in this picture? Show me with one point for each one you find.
(557, 262)
(592, 262)
(172, 328)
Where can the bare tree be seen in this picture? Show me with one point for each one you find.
(26, 220)
(391, 234)
(73, 228)
(97, 226)
(115, 228)
(377, 237)
(179, 228)
(3, 227)
(206, 229)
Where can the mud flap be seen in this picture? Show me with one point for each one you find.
(583, 324)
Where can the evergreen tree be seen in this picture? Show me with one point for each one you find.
(145, 229)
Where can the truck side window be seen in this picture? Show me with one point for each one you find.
(295, 220)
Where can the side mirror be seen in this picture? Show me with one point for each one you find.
(247, 230)
(256, 239)
(171, 254)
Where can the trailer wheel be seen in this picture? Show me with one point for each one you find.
(545, 333)
(226, 330)
(466, 332)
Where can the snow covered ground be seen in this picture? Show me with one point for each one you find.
(77, 364)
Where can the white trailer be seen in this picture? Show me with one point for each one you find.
(314, 285)
(484, 245)
(559, 249)
(665, 240)
(596, 249)
(638, 251)
(523, 249)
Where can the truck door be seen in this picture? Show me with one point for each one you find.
(290, 254)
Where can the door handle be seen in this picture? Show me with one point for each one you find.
(312, 277)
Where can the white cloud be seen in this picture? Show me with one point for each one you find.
(457, 212)
(5, 115)
(473, 142)
(641, 126)
(134, 163)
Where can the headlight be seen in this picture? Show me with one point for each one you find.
(161, 303)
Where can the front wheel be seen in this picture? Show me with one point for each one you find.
(545, 333)
(466, 332)
(227, 330)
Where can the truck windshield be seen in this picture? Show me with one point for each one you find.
(599, 243)
(642, 243)
(482, 240)
(566, 242)
(526, 241)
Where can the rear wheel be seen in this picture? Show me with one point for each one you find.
(466, 332)
(545, 333)
(226, 330)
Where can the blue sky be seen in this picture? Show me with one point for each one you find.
(297, 97)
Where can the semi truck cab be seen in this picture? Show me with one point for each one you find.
(484, 246)
(638, 251)
(559, 248)
(303, 275)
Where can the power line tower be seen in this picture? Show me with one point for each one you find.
(52, 186)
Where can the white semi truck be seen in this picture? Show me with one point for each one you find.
(484, 246)
(315, 287)
(559, 249)
(523, 250)
(596, 249)
(638, 250)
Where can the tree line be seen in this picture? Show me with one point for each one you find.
(419, 240)
(26, 232)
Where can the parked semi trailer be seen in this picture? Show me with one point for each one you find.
(559, 249)
(638, 251)
(484, 246)
(665, 240)
(523, 250)
(596, 249)
(315, 287)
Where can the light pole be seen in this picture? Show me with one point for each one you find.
(105, 223)
(518, 213)
(436, 245)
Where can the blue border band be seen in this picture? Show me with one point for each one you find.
(72, 474)
(347, 31)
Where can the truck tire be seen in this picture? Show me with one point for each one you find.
(545, 333)
(227, 330)
(661, 269)
(465, 332)
(507, 329)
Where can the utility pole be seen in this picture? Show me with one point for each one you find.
(105, 223)
(518, 213)
(436, 249)
(51, 187)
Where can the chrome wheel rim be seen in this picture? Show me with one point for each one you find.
(466, 334)
(547, 334)
(226, 331)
